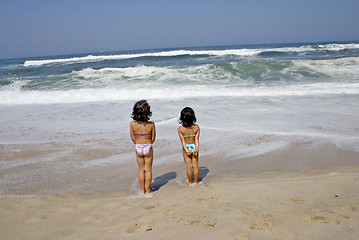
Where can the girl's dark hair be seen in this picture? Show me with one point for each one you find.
(141, 111)
(187, 117)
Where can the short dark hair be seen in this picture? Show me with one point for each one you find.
(141, 111)
(187, 117)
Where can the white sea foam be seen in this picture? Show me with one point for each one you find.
(145, 76)
(15, 85)
(175, 92)
(167, 121)
(342, 68)
(235, 52)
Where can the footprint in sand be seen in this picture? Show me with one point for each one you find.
(322, 219)
(201, 223)
(319, 217)
(331, 212)
(262, 223)
(132, 228)
(197, 222)
(148, 206)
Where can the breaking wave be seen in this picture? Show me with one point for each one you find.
(174, 53)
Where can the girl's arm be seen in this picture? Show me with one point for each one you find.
(132, 134)
(153, 134)
(196, 140)
(180, 134)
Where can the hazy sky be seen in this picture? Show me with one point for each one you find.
(38, 28)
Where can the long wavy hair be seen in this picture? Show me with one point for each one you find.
(141, 111)
(188, 117)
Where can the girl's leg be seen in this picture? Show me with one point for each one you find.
(188, 162)
(141, 171)
(195, 168)
(148, 170)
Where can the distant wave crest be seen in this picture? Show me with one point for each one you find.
(174, 53)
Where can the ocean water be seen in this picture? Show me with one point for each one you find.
(65, 119)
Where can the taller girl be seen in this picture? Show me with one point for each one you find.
(189, 135)
(143, 134)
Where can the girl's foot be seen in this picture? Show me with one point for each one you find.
(189, 184)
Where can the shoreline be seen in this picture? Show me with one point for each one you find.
(313, 205)
(54, 168)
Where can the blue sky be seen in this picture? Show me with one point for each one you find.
(39, 28)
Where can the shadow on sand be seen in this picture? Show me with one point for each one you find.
(203, 171)
(160, 181)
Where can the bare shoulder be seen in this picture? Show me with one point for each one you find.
(132, 123)
(181, 129)
(196, 127)
(152, 124)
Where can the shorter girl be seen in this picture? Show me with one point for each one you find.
(143, 134)
(189, 135)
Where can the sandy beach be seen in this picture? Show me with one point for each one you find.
(321, 204)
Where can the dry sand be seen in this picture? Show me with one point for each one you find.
(314, 205)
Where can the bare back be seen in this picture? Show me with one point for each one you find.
(142, 132)
(189, 134)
